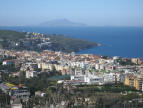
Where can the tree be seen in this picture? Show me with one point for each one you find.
(99, 103)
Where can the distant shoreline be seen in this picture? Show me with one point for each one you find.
(125, 41)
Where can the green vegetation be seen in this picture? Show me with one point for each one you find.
(126, 62)
(11, 68)
(58, 42)
(67, 44)
(11, 35)
(41, 82)
(112, 88)
(62, 77)
(4, 100)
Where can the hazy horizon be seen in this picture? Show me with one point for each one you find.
(118, 13)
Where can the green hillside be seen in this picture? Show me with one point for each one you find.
(11, 35)
(9, 38)
(68, 44)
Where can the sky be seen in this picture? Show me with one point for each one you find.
(90, 12)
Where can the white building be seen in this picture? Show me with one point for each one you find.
(97, 66)
(31, 74)
(108, 78)
(89, 79)
(111, 77)
(115, 58)
(8, 62)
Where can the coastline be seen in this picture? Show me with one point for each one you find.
(125, 41)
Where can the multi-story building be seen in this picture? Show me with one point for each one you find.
(135, 81)
(138, 83)
(14, 91)
(129, 80)
(136, 60)
(89, 79)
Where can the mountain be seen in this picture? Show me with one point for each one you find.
(60, 23)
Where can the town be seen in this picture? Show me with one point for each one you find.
(75, 70)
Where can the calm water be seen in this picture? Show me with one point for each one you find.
(116, 41)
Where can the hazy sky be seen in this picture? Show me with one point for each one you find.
(90, 12)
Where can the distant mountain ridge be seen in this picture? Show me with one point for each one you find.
(60, 22)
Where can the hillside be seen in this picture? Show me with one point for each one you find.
(11, 35)
(68, 44)
(38, 42)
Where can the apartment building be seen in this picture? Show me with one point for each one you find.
(15, 91)
(135, 81)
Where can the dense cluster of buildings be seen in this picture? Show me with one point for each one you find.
(83, 68)
(31, 41)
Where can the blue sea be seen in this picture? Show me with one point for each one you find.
(116, 41)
